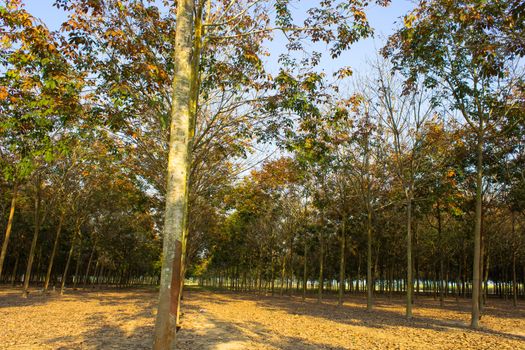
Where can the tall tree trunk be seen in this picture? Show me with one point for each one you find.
(474, 322)
(321, 266)
(36, 274)
(53, 252)
(369, 281)
(283, 273)
(66, 268)
(342, 265)
(15, 269)
(86, 275)
(410, 283)
(514, 282)
(514, 253)
(9, 227)
(193, 109)
(27, 275)
(416, 261)
(176, 193)
(272, 282)
(77, 267)
(441, 253)
(305, 269)
(486, 279)
(95, 275)
(289, 283)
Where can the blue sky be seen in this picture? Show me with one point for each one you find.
(382, 19)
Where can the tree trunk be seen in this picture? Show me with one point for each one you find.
(440, 237)
(66, 268)
(193, 108)
(9, 227)
(289, 283)
(474, 322)
(409, 254)
(369, 282)
(321, 267)
(53, 252)
(77, 267)
(305, 269)
(95, 275)
(176, 194)
(342, 265)
(272, 282)
(514, 286)
(486, 280)
(15, 270)
(27, 276)
(416, 262)
(283, 273)
(86, 276)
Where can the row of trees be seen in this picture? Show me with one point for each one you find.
(414, 179)
(437, 135)
(66, 192)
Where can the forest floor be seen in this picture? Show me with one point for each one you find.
(124, 319)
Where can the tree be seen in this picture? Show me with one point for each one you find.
(457, 47)
(39, 93)
(176, 191)
(403, 117)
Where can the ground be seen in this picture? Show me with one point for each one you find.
(224, 321)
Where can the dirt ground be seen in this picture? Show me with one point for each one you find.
(226, 321)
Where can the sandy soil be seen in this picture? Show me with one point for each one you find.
(226, 321)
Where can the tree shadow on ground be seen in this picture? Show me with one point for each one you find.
(220, 335)
(106, 335)
(12, 297)
(354, 313)
(211, 334)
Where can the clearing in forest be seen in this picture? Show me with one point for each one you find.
(124, 319)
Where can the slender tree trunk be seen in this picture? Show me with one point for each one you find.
(358, 282)
(514, 285)
(66, 268)
(77, 267)
(86, 276)
(36, 274)
(458, 282)
(9, 227)
(283, 273)
(410, 283)
(514, 253)
(272, 282)
(53, 252)
(289, 283)
(474, 323)
(440, 237)
(486, 279)
(481, 271)
(321, 267)
(342, 265)
(391, 281)
(176, 194)
(100, 276)
(369, 281)
(27, 276)
(416, 261)
(305, 269)
(95, 274)
(15, 270)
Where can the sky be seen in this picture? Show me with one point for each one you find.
(382, 19)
